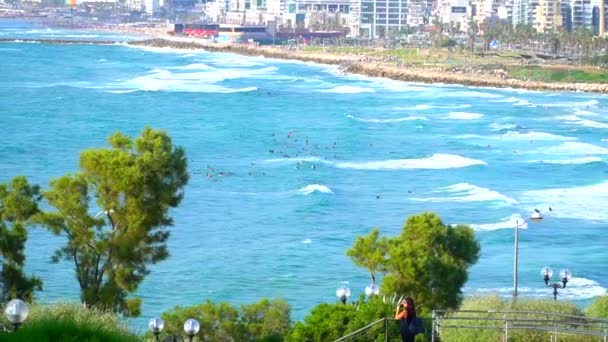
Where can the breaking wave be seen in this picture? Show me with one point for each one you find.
(312, 188)
(463, 116)
(507, 223)
(578, 288)
(465, 192)
(372, 120)
(435, 162)
(348, 90)
(583, 202)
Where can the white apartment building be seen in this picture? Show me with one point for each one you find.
(455, 12)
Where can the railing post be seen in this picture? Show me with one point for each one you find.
(433, 327)
(506, 336)
(385, 329)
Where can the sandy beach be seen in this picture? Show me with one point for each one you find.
(352, 63)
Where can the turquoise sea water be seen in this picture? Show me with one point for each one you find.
(362, 152)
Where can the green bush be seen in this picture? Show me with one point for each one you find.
(598, 308)
(43, 330)
(328, 322)
(70, 322)
(496, 333)
(266, 320)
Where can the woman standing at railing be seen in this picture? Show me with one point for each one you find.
(409, 324)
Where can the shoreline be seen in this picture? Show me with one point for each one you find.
(349, 63)
(352, 64)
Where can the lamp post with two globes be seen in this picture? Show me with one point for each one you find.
(191, 327)
(343, 292)
(564, 275)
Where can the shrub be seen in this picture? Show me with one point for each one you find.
(598, 308)
(500, 304)
(328, 322)
(66, 331)
(266, 320)
(70, 322)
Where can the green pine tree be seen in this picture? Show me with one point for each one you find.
(18, 204)
(134, 184)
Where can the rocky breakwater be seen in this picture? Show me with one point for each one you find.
(354, 64)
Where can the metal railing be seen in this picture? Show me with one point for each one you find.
(372, 329)
(509, 321)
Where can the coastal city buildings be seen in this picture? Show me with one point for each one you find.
(370, 19)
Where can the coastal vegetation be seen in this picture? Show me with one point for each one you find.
(266, 320)
(486, 329)
(428, 260)
(18, 203)
(133, 184)
(70, 322)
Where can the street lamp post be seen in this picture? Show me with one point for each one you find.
(536, 216)
(371, 290)
(564, 276)
(156, 325)
(191, 328)
(16, 311)
(343, 292)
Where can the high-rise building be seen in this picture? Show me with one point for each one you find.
(384, 18)
(567, 16)
(582, 13)
(595, 16)
(548, 16)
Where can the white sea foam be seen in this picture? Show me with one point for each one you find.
(476, 94)
(579, 111)
(102, 60)
(574, 161)
(307, 241)
(589, 123)
(514, 135)
(570, 148)
(436, 161)
(578, 288)
(506, 223)
(497, 127)
(465, 192)
(510, 99)
(80, 36)
(523, 103)
(194, 66)
(373, 120)
(121, 91)
(583, 202)
(165, 80)
(568, 117)
(430, 106)
(311, 188)
(399, 86)
(575, 120)
(572, 104)
(463, 116)
(348, 90)
(188, 55)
